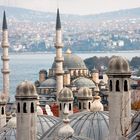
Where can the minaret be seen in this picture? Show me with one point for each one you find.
(5, 58)
(119, 98)
(26, 101)
(59, 58)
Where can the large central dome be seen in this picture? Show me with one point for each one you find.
(71, 61)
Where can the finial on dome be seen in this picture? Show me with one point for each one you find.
(68, 51)
(96, 105)
(96, 89)
(66, 130)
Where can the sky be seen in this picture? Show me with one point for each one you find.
(81, 7)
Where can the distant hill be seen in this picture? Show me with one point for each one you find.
(26, 14)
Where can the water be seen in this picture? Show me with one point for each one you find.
(27, 66)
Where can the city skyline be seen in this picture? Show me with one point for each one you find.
(81, 7)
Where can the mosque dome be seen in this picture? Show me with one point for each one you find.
(49, 83)
(90, 125)
(135, 131)
(84, 92)
(71, 61)
(118, 64)
(83, 82)
(44, 123)
(43, 71)
(26, 88)
(65, 94)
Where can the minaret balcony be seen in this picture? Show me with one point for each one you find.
(5, 58)
(59, 72)
(59, 59)
(58, 45)
(5, 70)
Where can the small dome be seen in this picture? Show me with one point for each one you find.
(118, 64)
(43, 71)
(12, 122)
(71, 61)
(49, 83)
(66, 94)
(83, 82)
(101, 83)
(84, 92)
(26, 88)
(44, 123)
(96, 104)
(89, 125)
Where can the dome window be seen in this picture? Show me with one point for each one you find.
(18, 108)
(32, 107)
(70, 106)
(2, 111)
(79, 105)
(24, 108)
(117, 86)
(125, 85)
(60, 106)
(110, 85)
(89, 105)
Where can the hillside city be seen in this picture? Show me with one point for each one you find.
(80, 35)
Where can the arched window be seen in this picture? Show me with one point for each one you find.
(64, 105)
(110, 85)
(125, 85)
(32, 107)
(117, 86)
(18, 107)
(84, 106)
(79, 105)
(24, 108)
(2, 111)
(70, 106)
(89, 105)
(60, 106)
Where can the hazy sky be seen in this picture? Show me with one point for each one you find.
(74, 6)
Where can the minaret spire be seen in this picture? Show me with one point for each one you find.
(58, 21)
(4, 26)
(59, 57)
(5, 57)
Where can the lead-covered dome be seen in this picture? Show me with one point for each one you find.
(135, 131)
(26, 88)
(71, 61)
(44, 123)
(49, 83)
(90, 125)
(83, 82)
(65, 94)
(118, 64)
(84, 93)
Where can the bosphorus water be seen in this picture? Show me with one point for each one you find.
(27, 66)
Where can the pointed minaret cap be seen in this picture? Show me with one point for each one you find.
(96, 105)
(66, 130)
(58, 22)
(4, 26)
